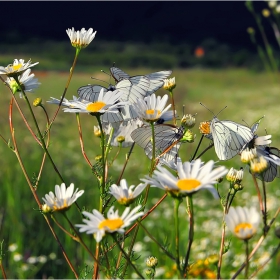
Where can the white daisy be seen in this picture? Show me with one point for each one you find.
(243, 222)
(122, 132)
(169, 84)
(192, 178)
(105, 103)
(27, 82)
(80, 39)
(96, 223)
(16, 68)
(151, 108)
(125, 195)
(63, 198)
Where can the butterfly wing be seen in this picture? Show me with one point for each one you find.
(229, 138)
(118, 74)
(157, 80)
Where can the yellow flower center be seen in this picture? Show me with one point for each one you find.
(204, 127)
(112, 224)
(17, 66)
(188, 184)
(151, 112)
(95, 107)
(244, 226)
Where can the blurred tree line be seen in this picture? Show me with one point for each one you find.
(58, 55)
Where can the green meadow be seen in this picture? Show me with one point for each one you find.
(247, 96)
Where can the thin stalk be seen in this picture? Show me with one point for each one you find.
(221, 249)
(200, 141)
(159, 245)
(66, 86)
(177, 243)
(1, 263)
(128, 258)
(81, 140)
(191, 230)
(247, 258)
(173, 106)
(259, 194)
(265, 205)
(38, 130)
(203, 152)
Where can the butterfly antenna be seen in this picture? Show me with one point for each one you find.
(206, 108)
(105, 73)
(183, 110)
(99, 80)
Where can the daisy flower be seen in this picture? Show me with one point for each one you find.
(122, 132)
(80, 39)
(192, 178)
(243, 222)
(169, 84)
(27, 82)
(125, 195)
(105, 103)
(16, 68)
(96, 223)
(151, 108)
(63, 198)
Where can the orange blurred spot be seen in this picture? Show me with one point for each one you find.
(199, 52)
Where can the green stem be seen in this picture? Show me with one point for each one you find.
(247, 258)
(177, 202)
(191, 230)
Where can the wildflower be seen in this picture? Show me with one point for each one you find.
(104, 103)
(272, 4)
(265, 12)
(122, 132)
(97, 131)
(13, 247)
(80, 39)
(151, 261)
(243, 222)
(96, 223)
(151, 108)
(188, 136)
(235, 176)
(248, 155)
(125, 195)
(277, 9)
(37, 102)
(63, 198)
(192, 178)
(258, 165)
(17, 257)
(46, 208)
(169, 84)
(15, 69)
(188, 121)
(204, 128)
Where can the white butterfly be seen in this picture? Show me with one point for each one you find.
(229, 137)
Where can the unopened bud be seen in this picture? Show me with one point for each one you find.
(37, 102)
(188, 121)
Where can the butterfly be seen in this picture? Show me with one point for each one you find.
(229, 137)
(167, 140)
(156, 79)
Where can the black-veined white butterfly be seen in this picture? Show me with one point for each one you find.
(229, 137)
(167, 140)
(156, 79)
(132, 89)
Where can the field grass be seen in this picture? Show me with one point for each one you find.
(247, 95)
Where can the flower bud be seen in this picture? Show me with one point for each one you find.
(188, 121)
(169, 84)
(258, 165)
(151, 262)
(37, 102)
(97, 131)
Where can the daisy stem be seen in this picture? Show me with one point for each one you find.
(173, 106)
(177, 202)
(191, 229)
(102, 139)
(128, 258)
(78, 238)
(81, 140)
(265, 206)
(200, 141)
(66, 86)
(258, 244)
(38, 130)
(259, 194)
(221, 246)
(247, 258)
(1, 264)
(160, 246)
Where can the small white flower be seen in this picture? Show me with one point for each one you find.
(105, 103)
(27, 82)
(32, 260)
(169, 84)
(122, 132)
(16, 68)
(12, 247)
(63, 198)
(125, 195)
(42, 259)
(151, 108)
(96, 223)
(80, 39)
(17, 257)
(243, 222)
(277, 9)
(192, 178)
